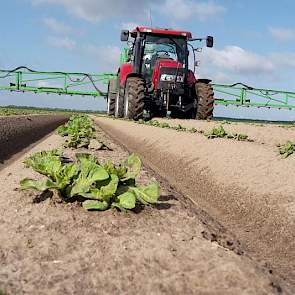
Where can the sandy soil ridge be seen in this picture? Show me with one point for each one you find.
(17, 132)
(48, 247)
(245, 186)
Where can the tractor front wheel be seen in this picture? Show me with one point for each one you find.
(134, 98)
(112, 92)
(205, 101)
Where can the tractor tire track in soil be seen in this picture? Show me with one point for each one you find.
(246, 186)
(48, 247)
(18, 132)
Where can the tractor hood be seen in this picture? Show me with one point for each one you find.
(168, 63)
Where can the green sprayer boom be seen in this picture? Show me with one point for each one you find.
(243, 95)
(23, 79)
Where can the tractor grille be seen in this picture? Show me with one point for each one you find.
(168, 78)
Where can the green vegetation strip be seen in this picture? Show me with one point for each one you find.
(19, 112)
(217, 132)
(101, 186)
(285, 150)
(79, 130)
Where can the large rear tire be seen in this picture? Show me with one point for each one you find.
(205, 101)
(112, 92)
(134, 98)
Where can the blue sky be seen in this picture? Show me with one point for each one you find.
(254, 41)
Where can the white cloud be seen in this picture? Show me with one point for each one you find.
(108, 57)
(187, 9)
(283, 34)
(97, 10)
(62, 42)
(238, 60)
(284, 59)
(57, 26)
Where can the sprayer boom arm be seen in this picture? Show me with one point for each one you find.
(24, 79)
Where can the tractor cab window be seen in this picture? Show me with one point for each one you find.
(159, 47)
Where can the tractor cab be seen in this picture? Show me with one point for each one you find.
(154, 78)
(150, 46)
(161, 50)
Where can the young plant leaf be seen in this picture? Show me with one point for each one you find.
(147, 194)
(93, 194)
(90, 173)
(95, 205)
(109, 190)
(133, 167)
(39, 185)
(126, 201)
(47, 163)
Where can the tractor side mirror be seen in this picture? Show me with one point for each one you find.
(210, 41)
(124, 35)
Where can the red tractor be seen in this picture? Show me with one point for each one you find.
(154, 78)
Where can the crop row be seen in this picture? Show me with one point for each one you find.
(285, 150)
(99, 186)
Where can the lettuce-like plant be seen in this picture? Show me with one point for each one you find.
(286, 149)
(79, 130)
(101, 186)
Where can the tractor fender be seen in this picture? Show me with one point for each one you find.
(125, 71)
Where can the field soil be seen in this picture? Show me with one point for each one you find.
(263, 133)
(18, 132)
(51, 247)
(246, 186)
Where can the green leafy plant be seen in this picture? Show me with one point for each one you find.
(286, 149)
(100, 186)
(79, 130)
(165, 125)
(153, 123)
(240, 137)
(217, 132)
(193, 130)
(13, 111)
(220, 132)
(179, 128)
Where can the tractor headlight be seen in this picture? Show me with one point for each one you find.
(171, 78)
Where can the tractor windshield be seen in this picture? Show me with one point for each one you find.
(156, 47)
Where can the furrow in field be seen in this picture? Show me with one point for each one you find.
(18, 132)
(244, 185)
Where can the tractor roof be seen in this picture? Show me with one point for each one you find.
(159, 31)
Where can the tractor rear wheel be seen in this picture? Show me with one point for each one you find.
(119, 103)
(112, 92)
(134, 98)
(205, 101)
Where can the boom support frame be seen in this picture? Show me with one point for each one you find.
(245, 96)
(23, 79)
